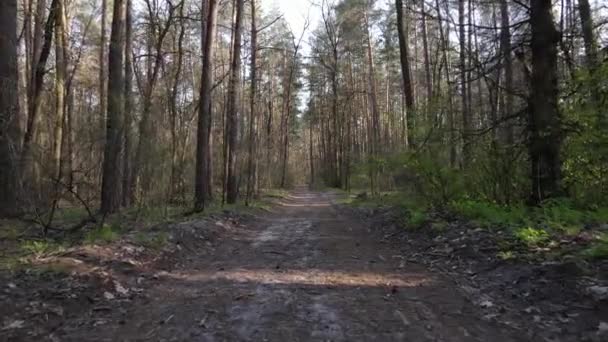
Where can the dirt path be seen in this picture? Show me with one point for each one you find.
(302, 272)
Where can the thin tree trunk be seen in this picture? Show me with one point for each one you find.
(463, 84)
(60, 87)
(251, 171)
(128, 187)
(505, 44)
(36, 98)
(103, 81)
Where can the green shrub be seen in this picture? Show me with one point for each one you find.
(486, 213)
(532, 236)
(104, 234)
(416, 218)
(40, 248)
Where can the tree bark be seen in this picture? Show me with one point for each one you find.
(507, 60)
(463, 85)
(60, 87)
(405, 60)
(128, 188)
(233, 108)
(544, 119)
(251, 170)
(111, 179)
(202, 179)
(9, 109)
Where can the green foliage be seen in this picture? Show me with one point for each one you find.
(40, 248)
(416, 218)
(426, 177)
(560, 213)
(276, 193)
(488, 214)
(585, 152)
(506, 255)
(102, 235)
(598, 249)
(532, 236)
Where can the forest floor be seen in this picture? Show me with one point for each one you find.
(306, 269)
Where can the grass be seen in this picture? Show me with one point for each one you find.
(102, 235)
(489, 214)
(40, 248)
(528, 227)
(598, 249)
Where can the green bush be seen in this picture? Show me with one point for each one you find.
(104, 234)
(532, 236)
(40, 248)
(486, 213)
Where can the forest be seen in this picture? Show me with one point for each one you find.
(494, 112)
(109, 106)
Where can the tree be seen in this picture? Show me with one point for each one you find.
(202, 179)
(9, 108)
(128, 186)
(111, 181)
(60, 86)
(35, 99)
(251, 169)
(232, 107)
(404, 58)
(544, 118)
(507, 61)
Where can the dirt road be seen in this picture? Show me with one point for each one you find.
(302, 272)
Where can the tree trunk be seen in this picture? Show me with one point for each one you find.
(103, 80)
(427, 61)
(202, 179)
(60, 87)
(375, 113)
(588, 36)
(128, 193)
(9, 108)
(463, 84)
(111, 181)
(405, 62)
(251, 171)
(233, 108)
(507, 60)
(36, 97)
(544, 119)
